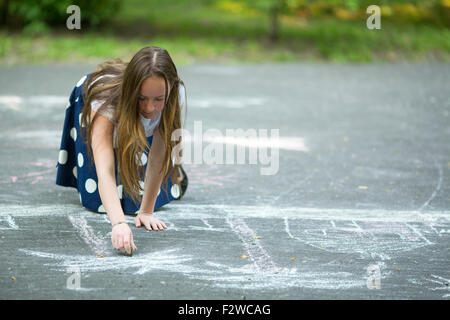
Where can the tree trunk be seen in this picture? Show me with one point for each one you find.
(5, 13)
(274, 24)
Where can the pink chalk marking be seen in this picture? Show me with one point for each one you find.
(38, 176)
(37, 173)
(209, 175)
(37, 179)
(260, 258)
(44, 163)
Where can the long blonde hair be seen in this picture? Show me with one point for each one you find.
(121, 88)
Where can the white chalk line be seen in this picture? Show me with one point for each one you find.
(49, 138)
(262, 261)
(445, 284)
(207, 211)
(438, 187)
(143, 263)
(11, 224)
(231, 276)
(362, 232)
(41, 210)
(418, 233)
(19, 103)
(97, 245)
(171, 226)
(207, 224)
(226, 276)
(53, 137)
(433, 228)
(226, 102)
(247, 277)
(341, 238)
(219, 275)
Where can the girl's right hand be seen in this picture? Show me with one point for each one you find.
(122, 238)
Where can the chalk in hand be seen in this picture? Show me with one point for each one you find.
(125, 252)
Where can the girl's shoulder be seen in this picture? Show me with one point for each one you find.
(97, 105)
(107, 111)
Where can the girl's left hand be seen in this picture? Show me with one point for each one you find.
(149, 222)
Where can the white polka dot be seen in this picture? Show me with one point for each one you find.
(75, 171)
(68, 105)
(143, 159)
(73, 134)
(101, 209)
(62, 159)
(76, 100)
(120, 191)
(90, 185)
(80, 82)
(80, 159)
(175, 191)
(142, 184)
(159, 191)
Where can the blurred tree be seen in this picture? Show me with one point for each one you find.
(4, 11)
(272, 8)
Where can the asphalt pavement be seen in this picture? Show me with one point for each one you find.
(354, 202)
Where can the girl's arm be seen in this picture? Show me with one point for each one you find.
(102, 147)
(153, 180)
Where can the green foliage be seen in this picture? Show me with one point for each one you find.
(264, 5)
(39, 16)
(235, 31)
(409, 11)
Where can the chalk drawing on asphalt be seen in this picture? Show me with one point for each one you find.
(375, 235)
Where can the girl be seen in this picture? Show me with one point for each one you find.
(116, 143)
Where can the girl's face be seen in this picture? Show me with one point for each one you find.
(151, 97)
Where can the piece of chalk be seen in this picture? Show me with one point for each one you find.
(123, 251)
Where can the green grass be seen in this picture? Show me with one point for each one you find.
(192, 32)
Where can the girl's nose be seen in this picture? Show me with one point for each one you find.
(149, 107)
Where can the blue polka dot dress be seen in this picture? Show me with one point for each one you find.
(75, 169)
